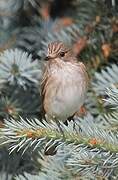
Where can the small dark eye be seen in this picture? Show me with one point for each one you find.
(62, 54)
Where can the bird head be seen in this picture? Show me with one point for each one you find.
(58, 51)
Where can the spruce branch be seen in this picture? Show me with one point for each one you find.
(29, 177)
(17, 101)
(10, 13)
(111, 119)
(8, 107)
(95, 104)
(76, 161)
(10, 8)
(11, 165)
(105, 79)
(8, 38)
(17, 67)
(100, 97)
(32, 133)
(112, 99)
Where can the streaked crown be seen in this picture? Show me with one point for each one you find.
(54, 48)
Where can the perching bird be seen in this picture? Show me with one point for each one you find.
(64, 83)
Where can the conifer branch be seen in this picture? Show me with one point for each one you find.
(25, 134)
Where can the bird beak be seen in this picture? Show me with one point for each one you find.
(47, 58)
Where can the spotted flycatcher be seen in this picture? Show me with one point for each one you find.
(64, 83)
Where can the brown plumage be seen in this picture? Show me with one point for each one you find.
(64, 82)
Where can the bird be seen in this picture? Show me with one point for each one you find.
(64, 83)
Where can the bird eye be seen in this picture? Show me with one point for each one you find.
(62, 54)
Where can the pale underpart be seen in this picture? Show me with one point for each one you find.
(67, 93)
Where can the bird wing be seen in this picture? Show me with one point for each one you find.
(85, 72)
(43, 89)
(43, 82)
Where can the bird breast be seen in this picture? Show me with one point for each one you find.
(65, 92)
